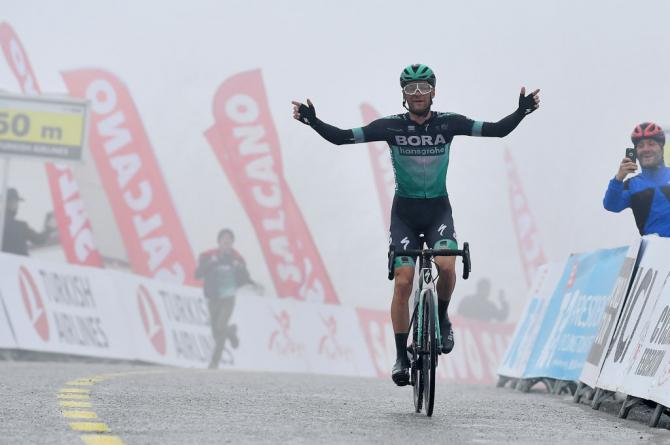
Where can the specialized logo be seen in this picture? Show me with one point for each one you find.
(151, 320)
(405, 243)
(33, 303)
(441, 229)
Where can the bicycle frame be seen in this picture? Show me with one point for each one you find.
(426, 284)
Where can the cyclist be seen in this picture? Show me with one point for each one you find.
(420, 142)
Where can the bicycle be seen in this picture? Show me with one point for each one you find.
(425, 323)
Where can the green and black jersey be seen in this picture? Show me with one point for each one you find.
(419, 153)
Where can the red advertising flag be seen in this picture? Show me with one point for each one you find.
(150, 227)
(532, 254)
(74, 227)
(245, 141)
(381, 166)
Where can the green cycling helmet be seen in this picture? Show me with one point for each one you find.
(415, 73)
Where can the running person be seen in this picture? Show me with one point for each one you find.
(420, 141)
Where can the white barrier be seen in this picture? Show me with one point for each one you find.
(92, 312)
(60, 308)
(596, 357)
(630, 353)
(635, 316)
(7, 337)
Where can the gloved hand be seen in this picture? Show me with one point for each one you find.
(530, 103)
(304, 113)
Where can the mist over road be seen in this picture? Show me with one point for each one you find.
(148, 405)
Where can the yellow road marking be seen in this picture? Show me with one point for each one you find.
(74, 414)
(77, 390)
(74, 404)
(87, 382)
(98, 427)
(96, 439)
(73, 396)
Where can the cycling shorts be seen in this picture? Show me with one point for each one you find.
(411, 217)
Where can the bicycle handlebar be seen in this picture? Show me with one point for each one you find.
(465, 253)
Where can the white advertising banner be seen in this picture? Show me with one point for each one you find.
(645, 368)
(517, 355)
(170, 323)
(335, 341)
(600, 346)
(637, 309)
(658, 343)
(7, 337)
(60, 308)
(480, 346)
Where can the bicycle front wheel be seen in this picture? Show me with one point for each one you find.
(416, 370)
(429, 358)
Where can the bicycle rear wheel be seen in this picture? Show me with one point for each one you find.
(429, 358)
(417, 380)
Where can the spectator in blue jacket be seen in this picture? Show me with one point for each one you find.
(647, 194)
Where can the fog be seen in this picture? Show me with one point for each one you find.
(600, 66)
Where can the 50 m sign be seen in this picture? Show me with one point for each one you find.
(43, 127)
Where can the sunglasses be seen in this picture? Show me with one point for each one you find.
(417, 88)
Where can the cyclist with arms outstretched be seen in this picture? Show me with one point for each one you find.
(420, 141)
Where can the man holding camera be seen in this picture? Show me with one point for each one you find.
(647, 194)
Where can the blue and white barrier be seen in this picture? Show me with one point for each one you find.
(606, 325)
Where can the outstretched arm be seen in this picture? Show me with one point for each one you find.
(306, 114)
(527, 104)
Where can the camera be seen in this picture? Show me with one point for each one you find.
(631, 154)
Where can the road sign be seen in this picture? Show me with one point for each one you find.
(48, 128)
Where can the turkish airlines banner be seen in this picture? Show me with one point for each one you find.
(152, 233)
(526, 331)
(169, 323)
(66, 309)
(382, 169)
(246, 143)
(480, 347)
(74, 227)
(530, 249)
(601, 343)
(7, 336)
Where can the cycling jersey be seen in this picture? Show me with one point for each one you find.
(648, 195)
(419, 153)
(222, 272)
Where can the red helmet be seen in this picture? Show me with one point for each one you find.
(648, 130)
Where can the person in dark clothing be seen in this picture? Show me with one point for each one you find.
(18, 236)
(223, 271)
(478, 305)
(648, 193)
